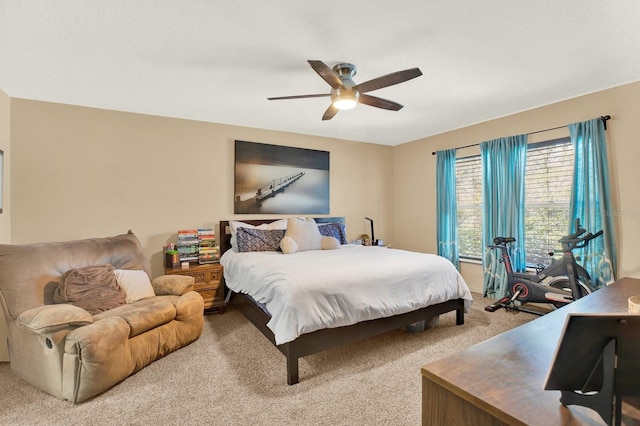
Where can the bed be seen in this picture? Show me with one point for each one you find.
(300, 320)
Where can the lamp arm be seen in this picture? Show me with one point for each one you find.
(373, 237)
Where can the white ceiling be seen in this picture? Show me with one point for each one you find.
(218, 61)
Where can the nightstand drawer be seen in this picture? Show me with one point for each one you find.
(212, 296)
(204, 276)
(213, 274)
(209, 283)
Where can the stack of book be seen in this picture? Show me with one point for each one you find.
(188, 245)
(208, 251)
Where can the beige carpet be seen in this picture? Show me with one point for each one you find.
(233, 376)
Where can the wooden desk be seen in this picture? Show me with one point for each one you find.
(500, 381)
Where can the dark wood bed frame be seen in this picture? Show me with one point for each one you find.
(328, 338)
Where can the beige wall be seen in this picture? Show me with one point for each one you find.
(5, 218)
(414, 169)
(83, 172)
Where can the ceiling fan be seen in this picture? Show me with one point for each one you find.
(345, 94)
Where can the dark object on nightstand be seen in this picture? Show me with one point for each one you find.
(374, 242)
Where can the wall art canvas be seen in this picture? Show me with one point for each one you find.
(273, 179)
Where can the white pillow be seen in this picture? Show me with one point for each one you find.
(234, 225)
(288, 245)
(329, 243)
(302, 235)
(135, 283)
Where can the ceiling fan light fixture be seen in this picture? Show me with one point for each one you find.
(347, 100)
(345, 94)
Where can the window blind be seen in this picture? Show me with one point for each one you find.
(548, 180)
(548, 176)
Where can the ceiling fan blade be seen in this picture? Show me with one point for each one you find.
(327, 74)
(388, 80)
(330, 113)
(377, 102)
(299, 96)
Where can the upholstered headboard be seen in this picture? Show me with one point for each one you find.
(225, 230)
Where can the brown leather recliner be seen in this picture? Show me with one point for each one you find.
(68, 352)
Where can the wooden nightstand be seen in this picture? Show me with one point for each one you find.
(209, 283)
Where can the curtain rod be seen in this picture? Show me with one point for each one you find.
(604, 118)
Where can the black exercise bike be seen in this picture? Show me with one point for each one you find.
(558, 284)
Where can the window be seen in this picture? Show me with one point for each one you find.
(548, 178)
(547, 194)
(469, 206)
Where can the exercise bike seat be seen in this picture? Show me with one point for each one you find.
(503, 240)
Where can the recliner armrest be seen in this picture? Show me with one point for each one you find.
(172, 284)
(49, 319)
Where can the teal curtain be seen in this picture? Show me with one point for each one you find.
(503, 172)
(446, 206)
(591, 200)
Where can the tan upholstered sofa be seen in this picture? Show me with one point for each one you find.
(63, 349)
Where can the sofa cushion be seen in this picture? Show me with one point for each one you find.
(172, 284)
(92, 288)
(144, 314)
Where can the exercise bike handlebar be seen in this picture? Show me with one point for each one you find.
(574, 241)
(579, 231)
(569, 242)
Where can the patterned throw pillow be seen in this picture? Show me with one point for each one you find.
(259, 239)
(234, 225)
(335, 230)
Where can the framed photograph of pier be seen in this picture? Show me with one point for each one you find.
(273, 179)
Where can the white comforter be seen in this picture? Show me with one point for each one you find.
(311, 290)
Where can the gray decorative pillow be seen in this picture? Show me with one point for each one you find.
(259, 239)
(335, 230)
